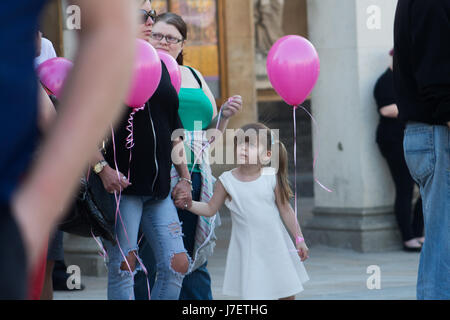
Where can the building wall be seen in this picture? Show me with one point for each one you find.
(51, 25)
(295, 17)
(358, 212)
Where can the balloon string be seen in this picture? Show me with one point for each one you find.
(118, 199)
(316, 154)
(213, 138)
(295, 172)
(103, 252)
(130, 139)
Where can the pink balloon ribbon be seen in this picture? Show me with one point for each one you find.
(103, 252)
(295, 163)
(295, 172)
(316, 154)
(213, 138)
(130, 141)
(118, 198)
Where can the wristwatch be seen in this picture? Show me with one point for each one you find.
(100, 166)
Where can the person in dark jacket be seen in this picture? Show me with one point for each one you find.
(34, 190)
(422, 85)
(390, 142)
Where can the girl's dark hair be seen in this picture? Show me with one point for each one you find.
(178, 22)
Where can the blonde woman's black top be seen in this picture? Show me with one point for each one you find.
(151, 154)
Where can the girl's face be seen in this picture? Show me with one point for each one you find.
(252, 153)
(167, 37)
(145, 27)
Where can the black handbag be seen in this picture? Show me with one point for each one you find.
(93, 209)
(92, 212)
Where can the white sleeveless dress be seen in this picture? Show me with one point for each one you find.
(262, 261)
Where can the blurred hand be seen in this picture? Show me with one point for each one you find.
(231, 107)
(182, 195)
(303, 251)
(111, 182)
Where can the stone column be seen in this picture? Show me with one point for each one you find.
(240, 57)
(240, 70)
(353, 38)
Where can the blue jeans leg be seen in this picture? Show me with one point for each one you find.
(159, 222)
(140, 281)
(427, 153)
(120, 282)
(162, 229)
(197, 285)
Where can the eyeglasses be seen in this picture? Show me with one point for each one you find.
(169, 38)
(144, 15)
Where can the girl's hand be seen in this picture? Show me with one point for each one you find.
(302, 250)
(182, 195)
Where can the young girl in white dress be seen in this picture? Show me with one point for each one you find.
(262, 261)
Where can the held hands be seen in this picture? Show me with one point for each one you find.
(182, 195)
(111, 182)
(232, 106)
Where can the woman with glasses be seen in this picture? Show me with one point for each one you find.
(145, 202)
(198, 112)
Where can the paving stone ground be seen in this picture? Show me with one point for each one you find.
(335, 274)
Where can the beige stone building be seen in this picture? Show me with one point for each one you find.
(228, 42)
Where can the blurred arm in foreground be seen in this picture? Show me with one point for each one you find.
(92, 100)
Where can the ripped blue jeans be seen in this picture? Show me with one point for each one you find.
(158, 220)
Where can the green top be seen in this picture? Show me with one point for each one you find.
(195, 106)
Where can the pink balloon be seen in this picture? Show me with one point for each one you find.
(146, 75)
(173, 68)
(53, 73)
(293, 68)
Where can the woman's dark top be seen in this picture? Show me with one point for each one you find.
(151, 158)
(389, 129)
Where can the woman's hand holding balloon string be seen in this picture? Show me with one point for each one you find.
(231, 107)
(112, 182)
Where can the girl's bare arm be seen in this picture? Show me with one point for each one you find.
(208, 209)
(287, 215)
